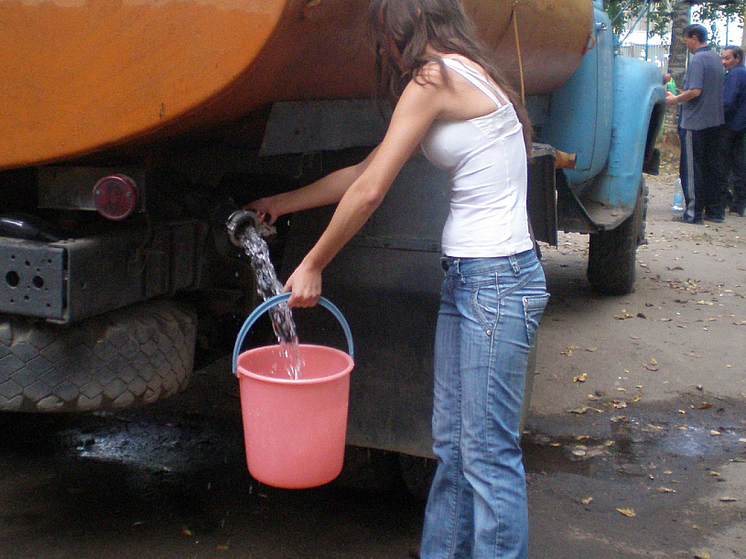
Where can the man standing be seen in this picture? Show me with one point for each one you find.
(702, 168)
(734, 106)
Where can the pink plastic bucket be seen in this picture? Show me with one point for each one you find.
(294, 430)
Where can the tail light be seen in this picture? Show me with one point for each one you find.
(115, 197)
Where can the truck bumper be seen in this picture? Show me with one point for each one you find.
(73, 279)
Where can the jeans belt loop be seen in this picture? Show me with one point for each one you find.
(514, 264)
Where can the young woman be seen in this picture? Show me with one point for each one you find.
(454, 106)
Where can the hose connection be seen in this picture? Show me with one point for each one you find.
(240, 220)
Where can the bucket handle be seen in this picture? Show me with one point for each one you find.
(276, 300)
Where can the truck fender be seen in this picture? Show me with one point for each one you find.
(638, 112)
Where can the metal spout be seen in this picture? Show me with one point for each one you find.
(239, 220)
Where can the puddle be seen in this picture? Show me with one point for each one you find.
(644, 439)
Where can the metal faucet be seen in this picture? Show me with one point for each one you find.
(239, 220)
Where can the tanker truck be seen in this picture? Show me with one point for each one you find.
(131, 129)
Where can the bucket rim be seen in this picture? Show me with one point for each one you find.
(241, 371)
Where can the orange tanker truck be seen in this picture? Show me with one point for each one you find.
(130, 127)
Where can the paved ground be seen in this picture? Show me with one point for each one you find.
(636, 445)
(648, 392)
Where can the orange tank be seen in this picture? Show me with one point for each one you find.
(83, 75)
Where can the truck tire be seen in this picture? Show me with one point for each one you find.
(612, 255)
(125, 357)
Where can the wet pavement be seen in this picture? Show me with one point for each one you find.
(170, 480)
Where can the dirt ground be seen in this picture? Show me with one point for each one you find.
(648, 391)
(635, 446)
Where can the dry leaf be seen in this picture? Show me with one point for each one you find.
(585, 409)
(704, 405)
(587, 500)
(728, 499)
(666, 490)
(628, 511)
(580, 378)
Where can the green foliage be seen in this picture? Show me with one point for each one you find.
(626, 12)
(732, 11)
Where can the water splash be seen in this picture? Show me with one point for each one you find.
(267, 285)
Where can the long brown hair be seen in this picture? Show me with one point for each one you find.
(410, 26)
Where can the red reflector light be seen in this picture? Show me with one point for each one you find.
(115, 196)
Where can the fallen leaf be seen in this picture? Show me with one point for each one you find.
(666, 490)
(585, 409)
(728, 499)
(186, 531)
(704, 405)
(587, 500)
(715, 432)
(628, 511)
(580, 378)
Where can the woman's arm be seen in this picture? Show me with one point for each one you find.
(415, 111)
(327, 190)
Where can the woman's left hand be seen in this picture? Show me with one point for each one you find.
(305, 285)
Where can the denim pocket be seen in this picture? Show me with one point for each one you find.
(486, 307)
(533, 308)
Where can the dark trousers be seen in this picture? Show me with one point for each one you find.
(734, 146)
(686, 171)
(704, 174)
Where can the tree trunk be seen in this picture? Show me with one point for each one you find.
(678, 52)
(677, 57)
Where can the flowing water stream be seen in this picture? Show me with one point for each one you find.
(281, 316)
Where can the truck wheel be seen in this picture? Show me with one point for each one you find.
(612, 254)
(125, 357)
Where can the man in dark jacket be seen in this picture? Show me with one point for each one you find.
(734, 106)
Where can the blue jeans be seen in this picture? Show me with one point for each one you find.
(489, 311)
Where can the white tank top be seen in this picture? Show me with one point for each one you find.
(486, 158)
